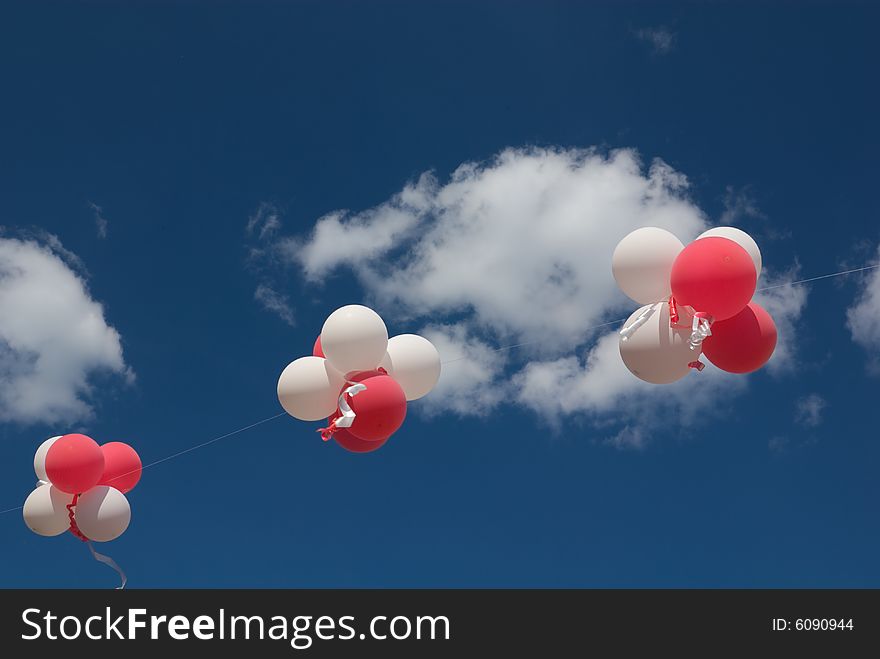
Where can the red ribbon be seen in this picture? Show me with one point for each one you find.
(329, 431)
(697, 364)
(74, 529)
(673, 311)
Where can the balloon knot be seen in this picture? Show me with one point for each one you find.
(382, 370)
(74, 529)
(697, 364)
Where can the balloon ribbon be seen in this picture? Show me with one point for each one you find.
(347, 416)
(627, 332)
(673, 310)
(106, 560)
(701, 329)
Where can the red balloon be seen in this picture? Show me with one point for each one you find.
(380, 409)
(714, 275)
(351, 443)
(317, 350)
(122, 466)
(74, 463)
(744, 343)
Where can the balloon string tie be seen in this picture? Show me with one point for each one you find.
(697, 364)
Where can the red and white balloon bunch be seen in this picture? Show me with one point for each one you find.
(359, 379)
(82, 488)
(698, 300)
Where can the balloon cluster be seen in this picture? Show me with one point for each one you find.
(81, 488)
(698, 300)
(359, 379)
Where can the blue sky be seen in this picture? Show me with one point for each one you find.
(138, 143)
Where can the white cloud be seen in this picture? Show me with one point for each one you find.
(53, 337)
(343, 238)
(785, 305)
(517, 250)
(101, 222)
(661, 39)
(600, 388)
(863, 319)
(470, 380)
(275, 302)
(809, 410)
(521, 245)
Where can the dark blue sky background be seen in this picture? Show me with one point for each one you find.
(179, 120)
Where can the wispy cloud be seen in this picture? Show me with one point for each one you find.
(263, 259)
(661, 39)
(275, 302)
(809, 409)
(101, 223)
(54, 244)
(264, 222)
(778, 444)
(738, 205)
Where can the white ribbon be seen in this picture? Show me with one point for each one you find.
(106, 560)
(348, 414)
(701, 329)
(627, 332)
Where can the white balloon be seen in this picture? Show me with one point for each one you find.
(656, 352)
(40, 457)
(741, 238)
(102, 513)
(309, 387)
(642, 263)
(45, 511)
(354, 338)
(414, 363)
